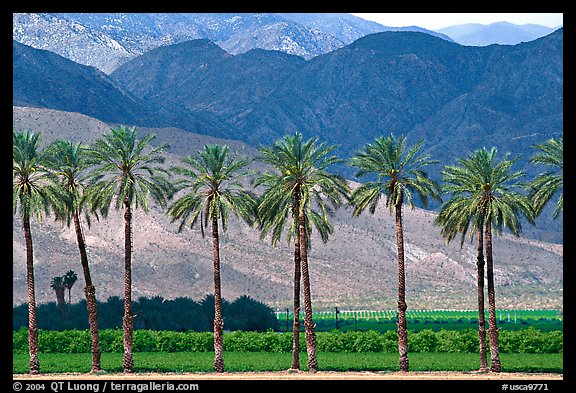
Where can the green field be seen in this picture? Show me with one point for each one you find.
(265, 361)
(384, 320)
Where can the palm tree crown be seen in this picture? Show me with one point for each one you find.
(34, 190)
(489, 188)
(480, 188)
(69, 279)
(300, 166)
(215, 190)
(69, 161)
(127, 171)
(399, 174)
(545, 185)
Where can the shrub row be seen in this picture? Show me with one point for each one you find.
(464, 341)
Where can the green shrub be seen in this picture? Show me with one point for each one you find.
(144, 341)
(423, 341)
(240, 341)
(20, 341)
(284, 342)
(168, 341)
(368, 342)
(335, 341)
(554, 342)
(454, 341)
(111, 340)
(531, 340)
(197, 341)
(457, 341)
(80, 341)
(390, 341)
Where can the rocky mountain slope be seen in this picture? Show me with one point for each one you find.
(44, 79)
(357, 267)
(106, 40)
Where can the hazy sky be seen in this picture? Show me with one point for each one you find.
(435, 21)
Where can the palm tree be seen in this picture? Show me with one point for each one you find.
(58, 286)
(127, 173)
(34, 193)
(70, 162)
(493, 205)
(300, 182)
(547, 184)
(399, 174)
(69, 279)
(459, 215)
(212, 180)
(282, 207)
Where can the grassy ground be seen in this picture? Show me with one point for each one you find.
(265, 361)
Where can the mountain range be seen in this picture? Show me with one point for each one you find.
(504, 33)
(107, 40)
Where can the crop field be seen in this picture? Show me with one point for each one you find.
(384, 320)
(179, 362)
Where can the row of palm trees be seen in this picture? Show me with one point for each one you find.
(297, 197)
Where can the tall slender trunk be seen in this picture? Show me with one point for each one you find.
(481, 318)
(90, 293)
(218, 320)
(309, 325)
(32, 327)
(495, 364)
(402, 328)
(296, 325)
(128, 321)
(296, 300)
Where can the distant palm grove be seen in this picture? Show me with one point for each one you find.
(482, 194)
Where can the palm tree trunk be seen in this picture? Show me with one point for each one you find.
(402, 328)
(70, 305)
(218, 321)
(296, 300)
(60, 300)
(128, 321)
(90, 293)
(495, 364)
(481, 318)
(296, 325)
(309, 325)
(32, 327)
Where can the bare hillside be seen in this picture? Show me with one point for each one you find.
(356, 268)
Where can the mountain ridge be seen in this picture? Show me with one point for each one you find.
(501, 33)
(107, 40)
